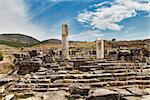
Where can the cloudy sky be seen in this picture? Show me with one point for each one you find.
(87, 19)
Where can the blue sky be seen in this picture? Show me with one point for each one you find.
(87, 19)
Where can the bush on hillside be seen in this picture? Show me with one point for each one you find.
(1, 56)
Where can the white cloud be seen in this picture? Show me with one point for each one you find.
(103, 3)
(14, 18)
(104, 18)
(89, 35)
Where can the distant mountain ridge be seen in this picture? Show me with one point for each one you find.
(17, 40)
(20, 40)
(52, 41)
(57, 41)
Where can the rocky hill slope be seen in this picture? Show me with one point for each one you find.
(17, 40)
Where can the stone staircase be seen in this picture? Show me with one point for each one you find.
(129, 80)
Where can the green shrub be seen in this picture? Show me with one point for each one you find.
(1, 56)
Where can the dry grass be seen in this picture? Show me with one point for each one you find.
(79, 45)
(6, 66)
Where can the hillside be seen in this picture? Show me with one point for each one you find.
(52, 41)
(17, 40)
(57, 41)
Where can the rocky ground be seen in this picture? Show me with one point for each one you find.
(97, 80)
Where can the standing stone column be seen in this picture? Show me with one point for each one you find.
(65, 42)
(99, 48)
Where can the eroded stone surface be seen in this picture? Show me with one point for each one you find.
(103, 94)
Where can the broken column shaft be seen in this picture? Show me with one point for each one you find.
(100, 48)
(65, 42)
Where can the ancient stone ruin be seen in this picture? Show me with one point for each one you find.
(91, 74)
(65, 42)
(100, 48)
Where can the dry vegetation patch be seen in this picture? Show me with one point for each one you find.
(6, 66)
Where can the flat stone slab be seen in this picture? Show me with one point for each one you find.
(147, 90)
(131, 98)
(136, 91)
(9, 97)
(55, 95)
(76, 81)
(20, 89)
(90, 75)
(103, 94)
(124, 92)
(98, 71)
(146, 97)
(2, 89)
(62, 71)
(88, 66)
(6, 79)
(118, 64)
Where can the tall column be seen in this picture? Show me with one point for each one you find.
(99, 48)
(65, 42)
